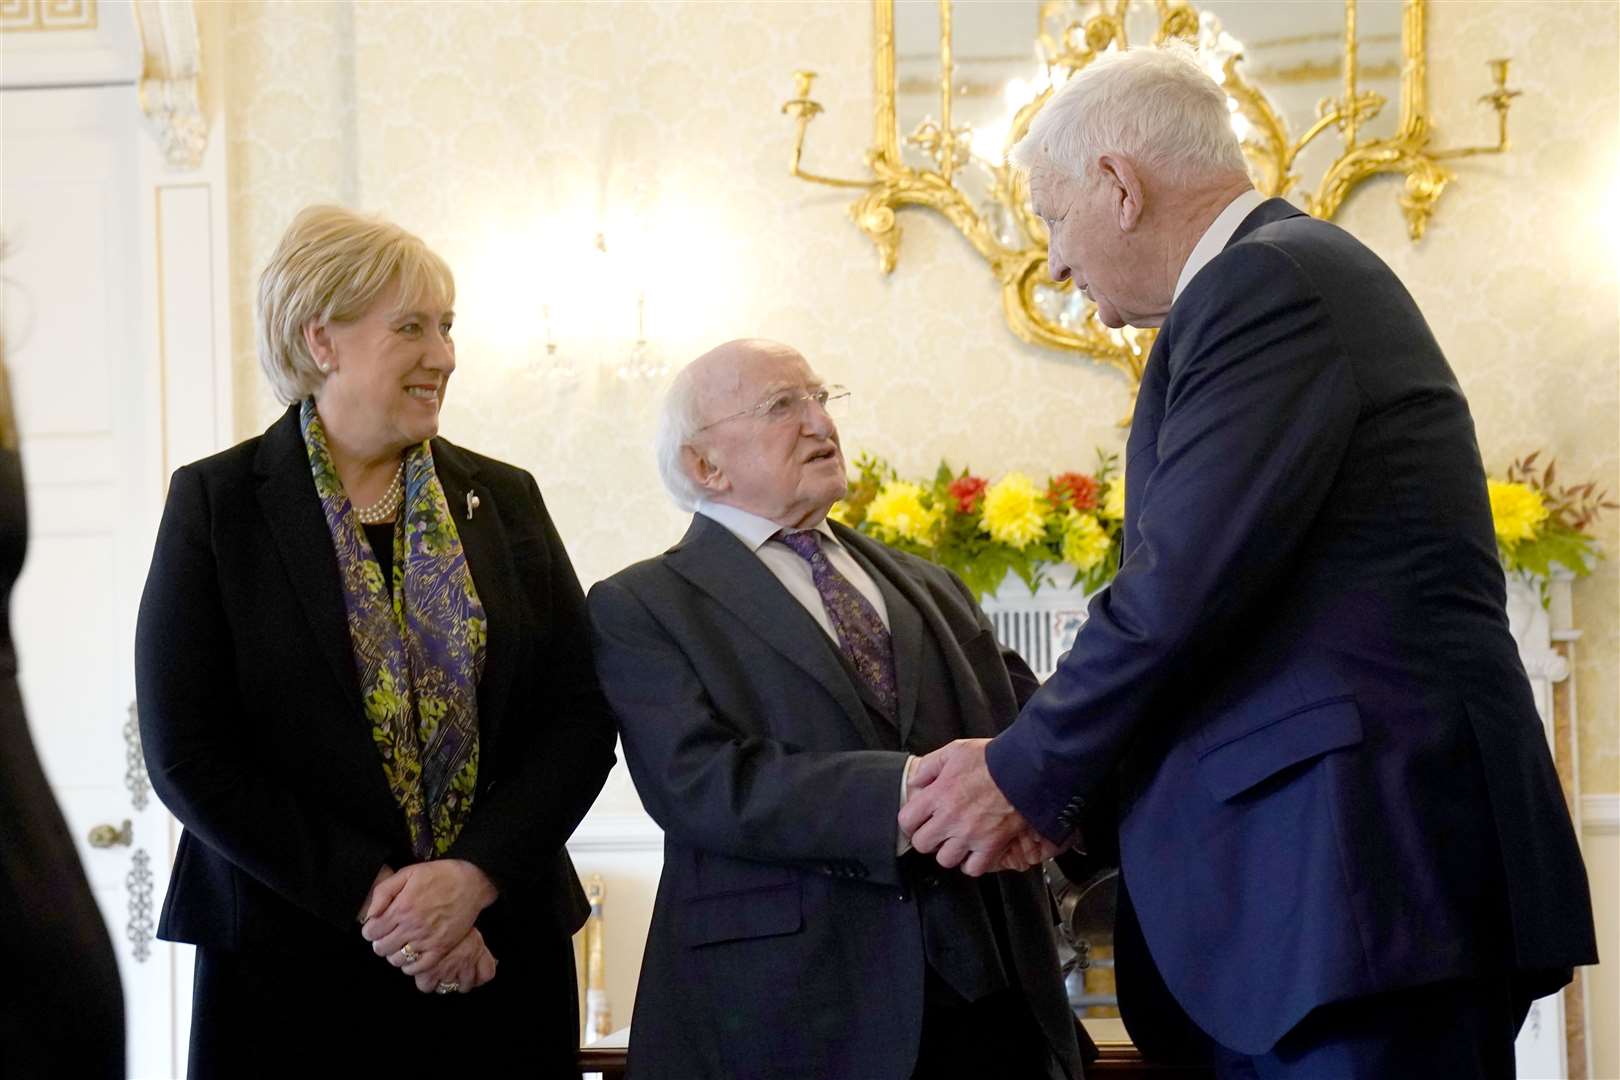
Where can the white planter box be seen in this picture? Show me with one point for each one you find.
(1039, 628)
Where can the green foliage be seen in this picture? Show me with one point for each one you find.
(1565, 547)
(1562, 538)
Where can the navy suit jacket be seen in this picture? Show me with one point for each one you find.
(1330, 773)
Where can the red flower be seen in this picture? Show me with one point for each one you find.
(967, 491)
(1076, 489)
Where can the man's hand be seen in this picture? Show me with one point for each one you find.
(955, 810)
(429, 906)
(913, 785)
(1027, 851)
(467, 965)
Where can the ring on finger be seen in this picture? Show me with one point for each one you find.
(447, 988)
(410, 954)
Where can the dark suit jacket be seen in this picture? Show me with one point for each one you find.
(1332, 779)
(252, 722)
(787, 939)
(64, 1015)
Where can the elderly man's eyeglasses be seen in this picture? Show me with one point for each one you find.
(785, 405)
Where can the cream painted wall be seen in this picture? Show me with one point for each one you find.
(508, 135)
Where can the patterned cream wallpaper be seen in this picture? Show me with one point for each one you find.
(510, 135)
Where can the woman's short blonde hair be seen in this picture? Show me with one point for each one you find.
(331, 266)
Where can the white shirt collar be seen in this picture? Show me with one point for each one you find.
(1215, 237)
(752, 529)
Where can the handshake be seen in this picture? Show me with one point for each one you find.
(954, 810)
(420, 919)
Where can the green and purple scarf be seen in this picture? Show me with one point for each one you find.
(418, 649)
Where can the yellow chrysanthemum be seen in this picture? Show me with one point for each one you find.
(1013, 511)
(839, 512)
(1516, 510)
(897, 513)
(1113, 500)
(1085, 541)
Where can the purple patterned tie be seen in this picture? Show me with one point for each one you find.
(861, 633)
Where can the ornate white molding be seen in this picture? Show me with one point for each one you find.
(1600, 813)
(171, 64)
(17, 16)
(617, 832)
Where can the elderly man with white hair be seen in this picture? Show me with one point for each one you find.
(1344, 849)
(772, 674)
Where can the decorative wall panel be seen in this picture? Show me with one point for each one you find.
(25, 15)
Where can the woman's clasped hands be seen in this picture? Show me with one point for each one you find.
(420, 919)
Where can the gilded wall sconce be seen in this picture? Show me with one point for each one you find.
(956, 166)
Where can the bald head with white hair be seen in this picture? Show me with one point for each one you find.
(1129, 163)
(719, 439)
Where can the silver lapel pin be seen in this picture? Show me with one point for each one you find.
(472, 504)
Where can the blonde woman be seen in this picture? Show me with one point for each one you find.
(366, 691)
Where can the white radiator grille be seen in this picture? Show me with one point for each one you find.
(1039, 628)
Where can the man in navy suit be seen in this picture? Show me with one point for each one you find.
(1344, 849)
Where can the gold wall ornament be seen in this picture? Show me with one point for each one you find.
(1407, 152)
(45, 15)
(1069, 35)
(598, 1013)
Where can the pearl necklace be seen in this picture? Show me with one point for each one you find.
(385, 508)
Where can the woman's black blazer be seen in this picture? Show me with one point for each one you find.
(251, 717)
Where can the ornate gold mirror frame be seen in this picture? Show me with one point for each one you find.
(1013, 241)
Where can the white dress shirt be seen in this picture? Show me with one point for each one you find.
(1216, 237)
(791, 568)
(793, 571)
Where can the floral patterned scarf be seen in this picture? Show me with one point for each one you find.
(419, 652)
